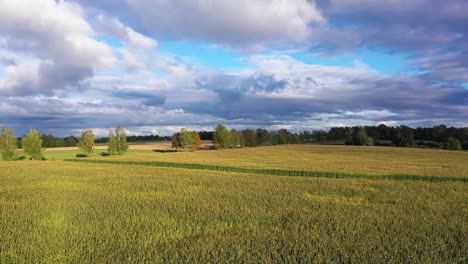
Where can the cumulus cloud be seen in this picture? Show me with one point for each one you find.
(307, 90)
(233, 23)
(56, 45)
(113, 27)
(56, 76)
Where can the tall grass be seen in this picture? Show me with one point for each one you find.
(279, 172)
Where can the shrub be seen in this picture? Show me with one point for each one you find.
(453, 144)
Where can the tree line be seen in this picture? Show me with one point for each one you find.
(224, 138)
(33, 144)
(439, 136)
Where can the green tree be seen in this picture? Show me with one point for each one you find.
(404, 137)
(112, 145)
(19, 143)
(319, 135)
(349, 136)
(235, 138)
(221, 137)
(439, 133)
(32, 145)
(185, 139)
(70, 141)
(264, 137)
(360, 137)
(454, 144)
(87, 142)
(121, 138)
(250, 138)
(7, 144)
(283, 136)
(176, 141)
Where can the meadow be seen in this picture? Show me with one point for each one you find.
(60, 212)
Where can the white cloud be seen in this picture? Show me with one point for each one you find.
(57, 38)
(244, 23)
(113, 27)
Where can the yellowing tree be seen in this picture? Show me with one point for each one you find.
(196, 141)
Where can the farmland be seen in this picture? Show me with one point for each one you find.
(58, 212)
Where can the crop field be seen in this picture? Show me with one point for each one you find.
(68, 212)
(343, 159)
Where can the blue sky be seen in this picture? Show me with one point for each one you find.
(157, 66)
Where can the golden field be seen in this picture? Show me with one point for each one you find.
(66, 212)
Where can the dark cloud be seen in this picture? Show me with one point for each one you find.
(400, 97)
(147, 98)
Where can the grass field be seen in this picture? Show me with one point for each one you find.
(61, 212)
(345, 159)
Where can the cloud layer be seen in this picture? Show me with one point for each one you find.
(70, 65)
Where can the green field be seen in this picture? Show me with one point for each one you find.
(68, 212)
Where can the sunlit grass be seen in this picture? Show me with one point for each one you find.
(60, 212)
(343, 159)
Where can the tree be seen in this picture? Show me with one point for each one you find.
(32, 145)
(182, 140)
(185, 139)
(236, 138)
(112, 145)
(439, 133)
(221, 137)
(360, 137)
(176, 141)
(70, 141)
(250, 138)
(319, 135)
(404, 137)
(283, 136)
(349, 136)
(337, 133)
(7, 144)
(264, 137)
(121, 139)
(454, 144)
(49, 141)
(196, 141)
(87, 142)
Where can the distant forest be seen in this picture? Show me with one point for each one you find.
(440, 136)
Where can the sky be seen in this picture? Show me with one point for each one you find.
(155, 66)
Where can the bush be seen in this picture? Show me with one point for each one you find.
(429, 144)
(453, 144)
(81, 156)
